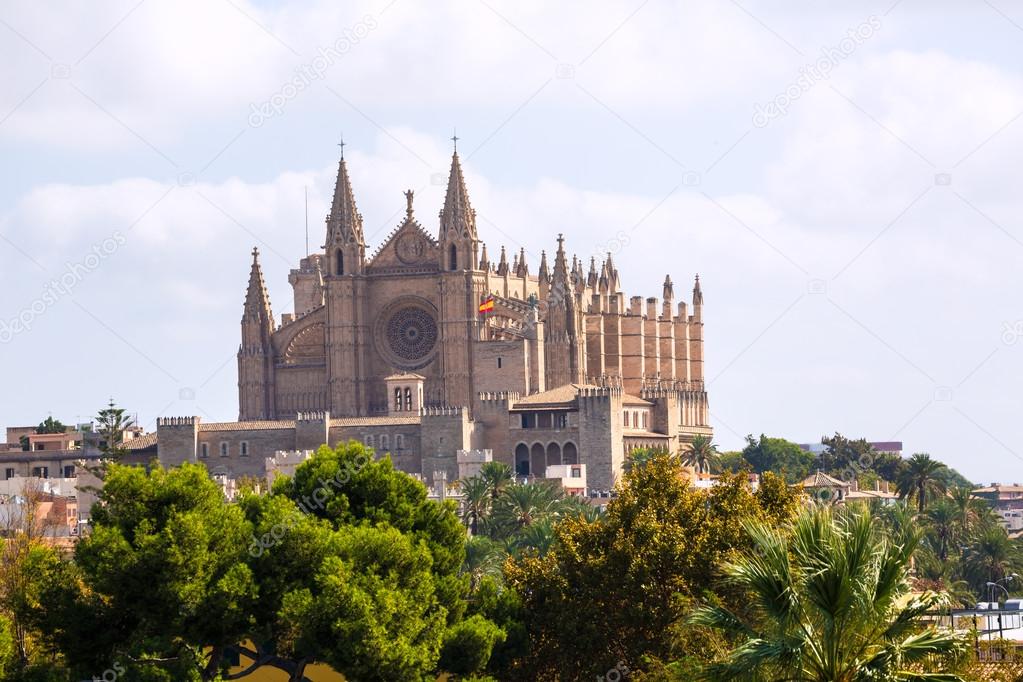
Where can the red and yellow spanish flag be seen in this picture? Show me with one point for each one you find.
(487, 306)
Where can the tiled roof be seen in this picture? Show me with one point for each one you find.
(141, 442)
(633, 401)
(562, 395)
(822, 480)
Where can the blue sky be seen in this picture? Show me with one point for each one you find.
(859, 246)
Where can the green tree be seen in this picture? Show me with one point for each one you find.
(921, 479)
(476, 502)
(989, 557)
(942, 527)
(498, 477)
(701, 455)
(51, 425)
(616, 589)
(829, 605)
(778, 455)
(160, 580)
(522, 505)
(468, 645)
(113, 421)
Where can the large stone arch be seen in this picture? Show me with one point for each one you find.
(569, 453)
(538, 460)
(553, 454)
(521, 459)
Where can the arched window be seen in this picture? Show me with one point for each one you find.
(408, 398)
(399, 442)
(384, 441)
(340, 269)
(453, 258)
(397, 400)
(522, 459)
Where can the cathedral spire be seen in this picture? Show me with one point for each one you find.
(344, 224)
(669, 289)
(502, 264)
(544, 273)
(257, 300)
(484, 260)
(458, 238)
(697, 292)
(560, 264)
(522, 269)
(457, 214)
(592, 278)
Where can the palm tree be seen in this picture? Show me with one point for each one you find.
(483, 558)
(538, 537)
(701, 455)
(966, 506)
(921, 478)
(522, 505)
(498, 477)
(990, 557)
(942, 527)
(476, 502)
(828, 604)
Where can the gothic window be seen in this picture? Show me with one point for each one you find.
(561, 420)
(453, 258)
(635, 420)
(397, 400)
(340, 262)
(644, 420)
(626, 419)
(385, 441)
(408, 398)
(244, 448)
(399, 442)
(223, 449)
(204, 450)
(368, 440)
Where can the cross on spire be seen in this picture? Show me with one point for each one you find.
(342, 145)
(454, 139)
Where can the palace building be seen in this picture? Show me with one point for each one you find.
(430, 346)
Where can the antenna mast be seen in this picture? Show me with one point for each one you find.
(307, 220)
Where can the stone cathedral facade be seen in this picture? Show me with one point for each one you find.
(561, 367)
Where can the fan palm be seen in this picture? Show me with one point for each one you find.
(701, 455)
(828, 604)
(498, 477)
(921, 478)
(476, 503)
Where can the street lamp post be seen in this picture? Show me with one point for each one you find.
(998, 584)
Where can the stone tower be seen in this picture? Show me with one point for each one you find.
(255, 355)
(346, 326)
(461, 288)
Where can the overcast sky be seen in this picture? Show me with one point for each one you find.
(842, 180)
